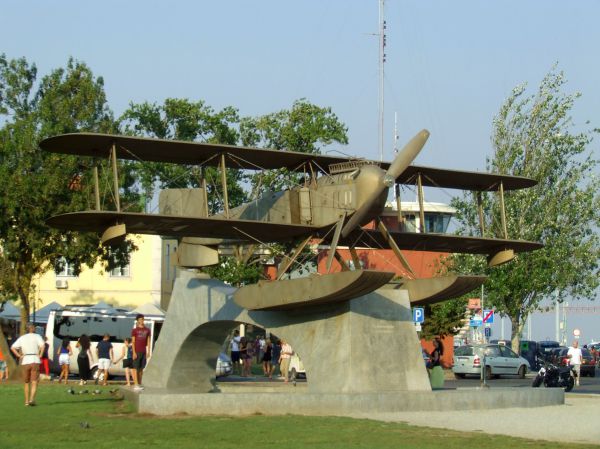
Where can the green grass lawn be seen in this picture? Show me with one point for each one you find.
(56, 422)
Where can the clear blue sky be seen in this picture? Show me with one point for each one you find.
(450, 64)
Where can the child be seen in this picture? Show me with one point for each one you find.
(127, 357)
(64, 359)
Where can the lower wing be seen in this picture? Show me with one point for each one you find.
(446, 243)
(180, 226)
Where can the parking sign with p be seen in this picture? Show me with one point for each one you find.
(418, 314)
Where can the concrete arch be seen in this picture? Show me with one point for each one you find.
(367, 344)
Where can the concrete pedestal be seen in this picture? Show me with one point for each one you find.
(361, 356)
(365, 345)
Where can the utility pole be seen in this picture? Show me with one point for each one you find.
(382, 43)
(557, 317)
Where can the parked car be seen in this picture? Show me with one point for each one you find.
(499, 360)
(296, 370)
(588, 366)
(529, 350)
(224, 365)
(545, 347)
(553, 355)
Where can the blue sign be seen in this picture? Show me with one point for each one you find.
(418, 314)
(488, 331)
(488, 316)
(476, 321)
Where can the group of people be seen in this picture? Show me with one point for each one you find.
(270, 354)
(31, 348)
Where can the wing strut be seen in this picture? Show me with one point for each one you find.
(115, 176)
(480, 213)
(386, 235)
(96, 187)
(334, 242)
(224, 184)
(288, 261)
(355, 258)
(421, 204)
(341, 261)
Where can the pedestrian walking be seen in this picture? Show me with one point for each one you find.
(127, 357)
(284, 360)
(83, 358)
(104, 351)
(436, 374)
(266, 359)
(29, 349)
(246, 354)
(64, 359)
(235, 352)
(275, 356)
(140, 339)
(575, 356)
(45, 360)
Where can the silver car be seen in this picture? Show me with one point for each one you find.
(499, 360)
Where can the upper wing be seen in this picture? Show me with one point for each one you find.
(181, 152)
(446, 243)
(195, 153)
(463, 180)
(179, 226)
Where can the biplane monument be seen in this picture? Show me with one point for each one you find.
(353, 329)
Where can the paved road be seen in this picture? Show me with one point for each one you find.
(589, 385)
(576, 421)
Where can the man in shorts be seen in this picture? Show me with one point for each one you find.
(575, 356)
(284, 360)
(235, 350)
(29, 349)
(104, 351)
(140, 340)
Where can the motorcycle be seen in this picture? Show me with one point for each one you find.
(555, 377)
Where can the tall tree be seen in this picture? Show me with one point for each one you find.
(38, 184)
(304, 128)
(534, 136)
(182, 119)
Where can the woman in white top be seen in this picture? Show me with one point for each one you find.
(64, 359)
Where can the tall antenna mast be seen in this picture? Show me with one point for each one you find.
(382, 42)
(395, 132)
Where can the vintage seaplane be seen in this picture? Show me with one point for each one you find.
(336, 199)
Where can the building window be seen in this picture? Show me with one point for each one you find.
(66, 268)
(120, 271)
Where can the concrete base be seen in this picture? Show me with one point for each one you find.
(298, 401)
(364, 345)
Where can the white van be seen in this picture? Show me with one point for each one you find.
(73, 321)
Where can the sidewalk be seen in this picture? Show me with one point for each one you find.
(575, 422)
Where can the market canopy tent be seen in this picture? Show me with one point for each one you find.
(10, 312)
(41, 316)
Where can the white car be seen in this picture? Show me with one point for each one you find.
(224, 365)
(499, 360)
(296, 368)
